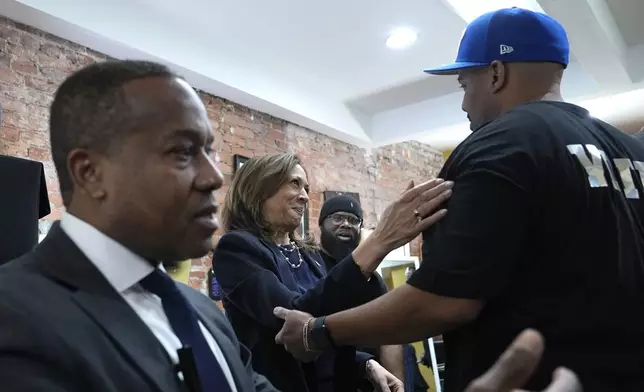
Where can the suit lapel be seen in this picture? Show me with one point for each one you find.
(132, 336)
(60, 259)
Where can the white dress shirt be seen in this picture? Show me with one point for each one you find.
(123, 270)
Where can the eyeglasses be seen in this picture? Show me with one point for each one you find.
(339, 219)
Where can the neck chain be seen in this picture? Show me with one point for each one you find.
(290, 248)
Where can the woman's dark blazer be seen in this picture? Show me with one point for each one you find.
(253, 282)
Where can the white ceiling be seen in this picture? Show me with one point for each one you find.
(324, 65)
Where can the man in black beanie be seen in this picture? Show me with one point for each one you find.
(340, 226)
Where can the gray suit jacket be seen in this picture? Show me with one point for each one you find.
(64, 328)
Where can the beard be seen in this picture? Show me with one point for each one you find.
(336, 248)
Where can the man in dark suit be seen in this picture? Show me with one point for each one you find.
(91, 308)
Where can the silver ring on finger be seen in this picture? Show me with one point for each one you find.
(416, 213)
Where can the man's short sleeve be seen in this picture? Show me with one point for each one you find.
(474, 250)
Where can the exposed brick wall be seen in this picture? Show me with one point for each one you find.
(33, 63)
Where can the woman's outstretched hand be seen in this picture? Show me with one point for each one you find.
(417, 208)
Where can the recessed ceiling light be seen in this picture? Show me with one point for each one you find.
(401, 38)
(472, 9)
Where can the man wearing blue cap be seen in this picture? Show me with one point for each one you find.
(545, 227)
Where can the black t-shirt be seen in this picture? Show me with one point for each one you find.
(545, 225)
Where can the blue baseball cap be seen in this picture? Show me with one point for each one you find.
(509, 35)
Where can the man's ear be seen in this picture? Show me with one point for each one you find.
(86, 171)
(498, 76)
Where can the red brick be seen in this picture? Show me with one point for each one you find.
(9, 133)
(243, 152)
(78, 60)
(13, 149)
(197, 273)
(30, 42)
(226, 167)
(56, 73)
(39, 154)
(50, 49)
(5, 59)
(52, 186)
(37, 83)
(55, 199)
(25, 67)
(242, 132)
(20, 53)
(276, 135)
(36, 139)
(236, 120)
(237, 141)
(53, 61)
(10, 33)
(15, 106)
(8, 76)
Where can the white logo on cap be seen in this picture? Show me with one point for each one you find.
(505, 49)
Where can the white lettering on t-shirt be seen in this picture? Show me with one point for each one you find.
(593, 159)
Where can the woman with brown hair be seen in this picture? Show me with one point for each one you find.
(261, 263)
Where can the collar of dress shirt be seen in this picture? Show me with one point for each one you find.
(120, 266)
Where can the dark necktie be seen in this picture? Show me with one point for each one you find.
(185, 324)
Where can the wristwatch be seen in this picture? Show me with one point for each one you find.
(319, 336)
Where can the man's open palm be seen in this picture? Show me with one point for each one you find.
(513, 369)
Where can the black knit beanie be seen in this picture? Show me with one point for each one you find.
(340, 203)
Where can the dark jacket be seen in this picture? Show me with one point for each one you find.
(254, 279)
(63, 328)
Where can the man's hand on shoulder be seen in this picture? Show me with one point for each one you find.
(516, 365)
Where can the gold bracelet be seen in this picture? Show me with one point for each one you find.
(362, 271)
(305, 335)
(358, 265)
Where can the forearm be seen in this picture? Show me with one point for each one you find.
(391, 358)
(369, 254)
(395, 318)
